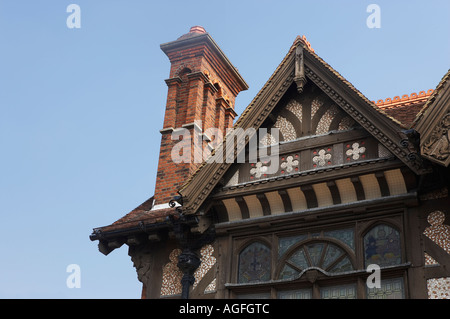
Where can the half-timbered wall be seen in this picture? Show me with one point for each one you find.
(338, 202)
(325, 159)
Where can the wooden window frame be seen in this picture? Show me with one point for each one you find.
(361, 226)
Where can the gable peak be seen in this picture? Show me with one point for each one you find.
(302, 40)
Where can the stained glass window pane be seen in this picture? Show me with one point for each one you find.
(382, 246)
(333, 252)
(254, 263)
(390, 289)
(345, 235)
(315, 252)
(342, 266)
(295, 294)
(338, 292)
(299, 259)
(286, 242)
(288, 272)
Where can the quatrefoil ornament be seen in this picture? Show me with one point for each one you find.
(322, 158)
(290, 164)
(258, 170)
(355, 151)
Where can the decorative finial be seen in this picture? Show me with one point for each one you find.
(303, 40)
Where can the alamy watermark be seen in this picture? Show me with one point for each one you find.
(212, 147)
(74, 19)
(374, 280)
(374, 19)
(74, 279)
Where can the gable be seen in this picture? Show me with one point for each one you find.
(314, 134)
(308, 114)
(325, 104)
(326, 159)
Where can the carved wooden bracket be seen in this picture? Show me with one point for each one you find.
(142, 261)
(299, 77)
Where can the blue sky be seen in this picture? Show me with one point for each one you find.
(81, 109)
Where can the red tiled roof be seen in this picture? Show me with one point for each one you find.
(142, 213)
(405, 108)
(432, 97)
(138, 211)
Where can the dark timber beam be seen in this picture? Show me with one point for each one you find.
(438, 253)
(264, 204)
(320, 112)
(221, 211)
(384, 187)
(291, 117)
(243, 207)
(409, 178)
(334, 192)
(310, 195)
(334, 126)
(360, 195)
(307, 177)
(286, 200)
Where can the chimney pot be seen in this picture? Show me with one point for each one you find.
(197, 29)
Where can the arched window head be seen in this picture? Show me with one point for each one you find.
(219, 89)
(324, 255)
(184, 71)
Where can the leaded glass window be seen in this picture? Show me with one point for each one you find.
(286, 242)
(324, 255)
(254, 263)
(382, 246)
(262, 295)
(315, 252)
(390, 289)
(338, 292)
(321, 263)
(345, 235)
(295, 294)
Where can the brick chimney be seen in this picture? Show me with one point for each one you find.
(202, 88)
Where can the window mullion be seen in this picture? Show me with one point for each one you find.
(315, 291)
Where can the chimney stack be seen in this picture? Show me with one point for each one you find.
(202, 88)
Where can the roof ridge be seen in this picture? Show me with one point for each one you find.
(354, 89)
(404, 99)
